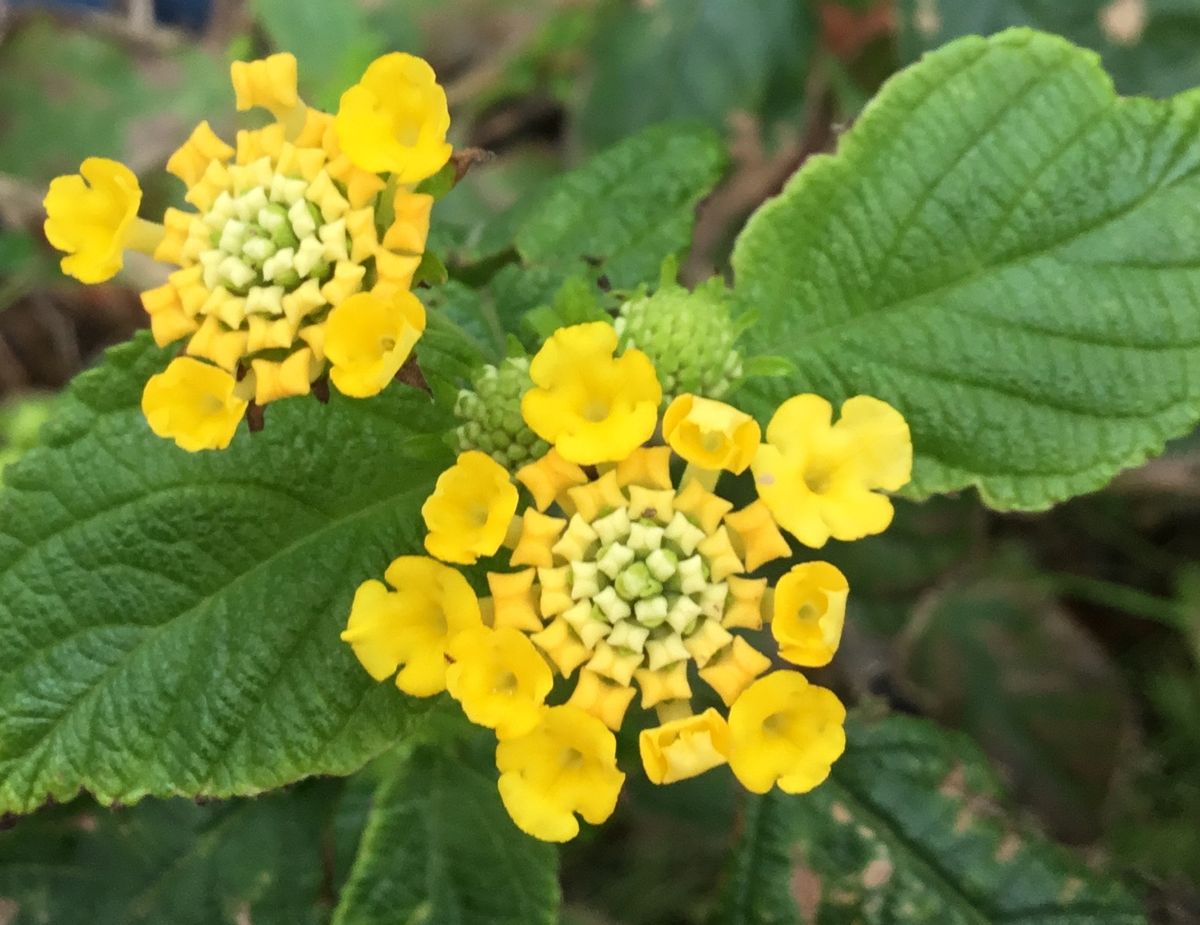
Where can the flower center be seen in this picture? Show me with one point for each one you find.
(642, 587)
(596, 410)
(266, 241)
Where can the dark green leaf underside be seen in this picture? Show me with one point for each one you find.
(439, 847)
(908, 829)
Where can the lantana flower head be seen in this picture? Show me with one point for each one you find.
(633, 580)
(297, 255)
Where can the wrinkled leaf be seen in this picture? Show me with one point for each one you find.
(171, 862)
(169, 622)
(997, 250)
(627, 208)
(908, 829)
(439, 847)
(1002, 662)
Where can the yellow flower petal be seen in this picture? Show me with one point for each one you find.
(785, 731)
(514, 603)
(549, 478)
(468, 514)
(282, 379)
(368, 338)
(810, 609)
(168, 320)
(500, 679)
(685, 747)
(668, 683)
(819, 479)
(90, 215)
(731, 670)
(394, 120)
(565, 765)
(710, 434)
(192, 157)
(193, 404)
(593, 406)
(269, 83)
(755, 536)
(603, 698)
(411, 627)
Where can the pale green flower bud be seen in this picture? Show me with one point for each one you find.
(689, 336)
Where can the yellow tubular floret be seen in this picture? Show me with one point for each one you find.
(269, 83)
(566, 765)
(411, 627)
(593, 406)
(193, 404)
(499, 678)
(468, 514)
(810, 609)
(786, 732)
(368, 338)
(820, 479)
(395, 119)
(685, 747)
(92, 217)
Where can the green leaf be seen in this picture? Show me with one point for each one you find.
(700, 59)
(1000, 660)
(171, 862)
(169, 622)
(448, 356)
(627, 208)
(439, 847)
(1002, 249)
(908, 829)
(1147, 45)
(333, 43)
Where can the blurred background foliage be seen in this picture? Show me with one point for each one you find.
(1066, 644)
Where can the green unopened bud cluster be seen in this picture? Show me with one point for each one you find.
(491, 414)
(689, 336)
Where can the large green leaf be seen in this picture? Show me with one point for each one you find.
(701, 59)
(1002, 249)
(172, 862)
(439, 847)
(1149, 46)
(169, 622)
(908, 829)
(625, 209)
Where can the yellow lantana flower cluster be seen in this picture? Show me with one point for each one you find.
(629, 576)
(299, 256)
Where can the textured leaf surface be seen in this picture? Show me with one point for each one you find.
(999, 249)
(171, 862)
(439, 847)
(169, 622)
(1149, 46)
(907, 829)
(1001, 661)
(627, 208)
